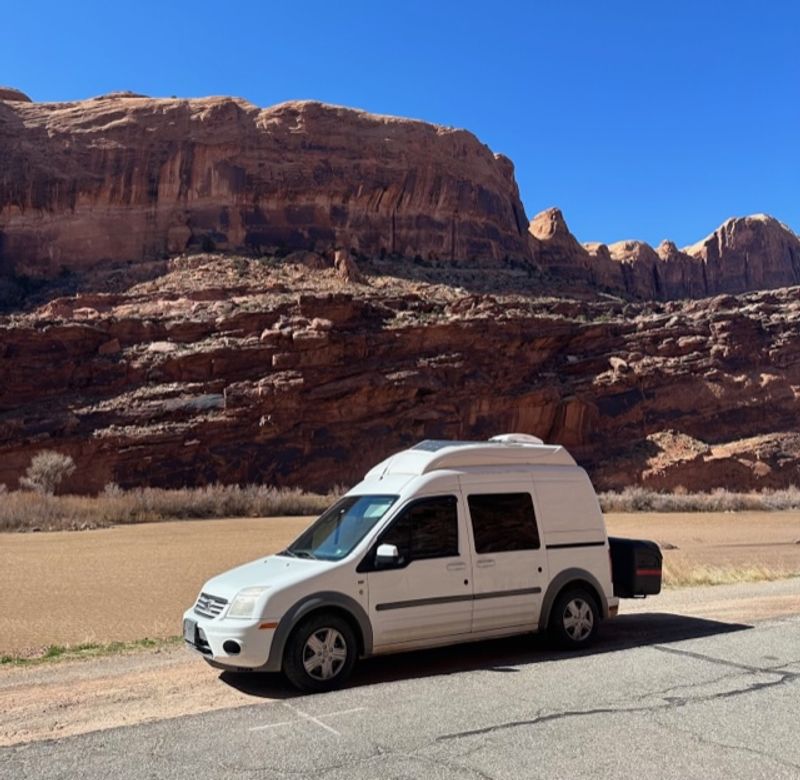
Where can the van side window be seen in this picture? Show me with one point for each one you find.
(503, 522)
(428, 528)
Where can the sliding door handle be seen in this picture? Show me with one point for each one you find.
(485, 563)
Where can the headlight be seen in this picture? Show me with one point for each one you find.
(244, 603)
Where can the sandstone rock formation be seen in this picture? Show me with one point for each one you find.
(755, 252)
(9, 93)
(128, 178)
(237, 370)
(745, 253)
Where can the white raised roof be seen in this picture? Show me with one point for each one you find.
(433, 454)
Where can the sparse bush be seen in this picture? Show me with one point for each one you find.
(639, 499)
(46, 472)
(112, 490)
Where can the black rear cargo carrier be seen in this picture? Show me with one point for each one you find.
(635, 567)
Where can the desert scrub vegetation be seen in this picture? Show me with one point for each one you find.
(684, 574)
(29, 510)
(638, 499)
(41, 510)
(47, 471)
(87, 650)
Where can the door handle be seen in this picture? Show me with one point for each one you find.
(485, 563)
(456, 566)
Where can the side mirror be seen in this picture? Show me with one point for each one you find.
(386, 555)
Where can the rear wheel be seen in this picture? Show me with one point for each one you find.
(575, 618)
(320, 653)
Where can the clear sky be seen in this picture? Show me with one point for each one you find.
(639, 119)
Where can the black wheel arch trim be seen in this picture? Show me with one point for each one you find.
(562, 580)
(306, 606)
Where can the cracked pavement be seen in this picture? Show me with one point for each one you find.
(722, 704)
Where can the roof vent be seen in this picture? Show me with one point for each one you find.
(516, 438)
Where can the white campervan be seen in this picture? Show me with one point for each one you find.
(446, 542)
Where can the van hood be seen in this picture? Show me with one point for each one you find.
(275, 572)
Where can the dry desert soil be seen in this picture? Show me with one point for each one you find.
(131, 582)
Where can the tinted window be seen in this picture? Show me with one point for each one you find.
(426, 529)
(503, 522)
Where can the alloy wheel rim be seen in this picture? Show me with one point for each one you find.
(324, 653)
(578, 619)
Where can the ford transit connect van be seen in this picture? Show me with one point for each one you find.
(446, 542)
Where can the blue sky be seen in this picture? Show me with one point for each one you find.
(639, 119)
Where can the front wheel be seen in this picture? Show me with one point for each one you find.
(320, 653)
(575, 619)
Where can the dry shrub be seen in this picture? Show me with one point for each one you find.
(683, 574)
(46, 472)
(638, 499)
(21, 510)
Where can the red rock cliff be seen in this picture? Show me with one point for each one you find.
(125, 177)
(745, 253)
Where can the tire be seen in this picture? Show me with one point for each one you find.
(574, 619)
(320, 653)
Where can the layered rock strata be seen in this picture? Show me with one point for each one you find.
(233, 370)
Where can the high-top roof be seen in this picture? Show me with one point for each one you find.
(508, 450)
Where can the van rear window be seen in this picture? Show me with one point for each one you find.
(503, 522)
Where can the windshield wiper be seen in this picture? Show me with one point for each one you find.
(305, 554)
(288, 552)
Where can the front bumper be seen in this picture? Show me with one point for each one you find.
(217, 638)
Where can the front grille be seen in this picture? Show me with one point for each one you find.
(209, 606)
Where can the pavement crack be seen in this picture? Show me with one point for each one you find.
(543, 719)
(667, 702)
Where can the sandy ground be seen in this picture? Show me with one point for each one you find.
(725, 539)
(132, 582)
(121, 583)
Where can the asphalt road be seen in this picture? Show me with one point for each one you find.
(662, 696)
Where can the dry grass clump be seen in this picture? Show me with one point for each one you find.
(85, 650)
(638, 499)
(684, 574)
(27, 511)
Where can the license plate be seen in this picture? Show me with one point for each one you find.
(189, 630)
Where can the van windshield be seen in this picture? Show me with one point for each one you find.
(336, 533)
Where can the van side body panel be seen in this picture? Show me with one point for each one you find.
(574, 534)
(508, 585)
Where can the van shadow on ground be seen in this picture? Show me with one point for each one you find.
(503, 656)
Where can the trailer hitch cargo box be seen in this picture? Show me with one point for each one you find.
(635, 567)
